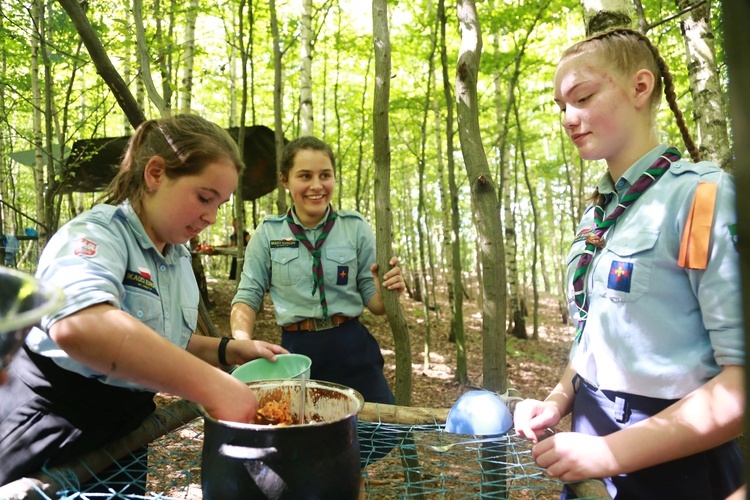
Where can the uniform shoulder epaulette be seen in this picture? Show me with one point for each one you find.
(696, 235)
(274, 218)
(702, 168)
(350, 213)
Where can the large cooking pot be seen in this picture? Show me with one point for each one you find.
(316, 460)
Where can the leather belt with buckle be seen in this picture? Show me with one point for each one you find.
(317, 324)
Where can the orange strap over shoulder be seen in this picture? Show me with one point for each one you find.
(697, 233)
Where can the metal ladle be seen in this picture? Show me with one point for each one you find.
(302, 399)
(446, 447)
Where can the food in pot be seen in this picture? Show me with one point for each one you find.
(274, 413)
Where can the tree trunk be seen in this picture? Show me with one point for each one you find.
(187, 75)
(422, 220)
(708, 99)
(239, 202)
(4, 175)
(535, 222)
(37, 14)
(305, 77)
(457, 304)
(737, 40)
(599, 15)
(143, 60)
(517, 324)
(278, 102)
(383, 214)
(103, 64)
(164, 57)
(484, 200)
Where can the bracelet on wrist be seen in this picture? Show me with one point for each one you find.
(223, 350)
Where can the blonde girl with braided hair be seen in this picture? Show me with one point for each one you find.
(89, 373)
(654, 383)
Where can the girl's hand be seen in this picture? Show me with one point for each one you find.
(242, 351)
(392, 280)
(532, 418)
(572, 456)
(231, 399)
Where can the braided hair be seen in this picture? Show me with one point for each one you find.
(630, 50)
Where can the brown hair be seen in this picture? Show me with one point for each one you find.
(292, 148)
(186, 143)
(628, 51)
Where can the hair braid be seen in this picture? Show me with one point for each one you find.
(669, 93)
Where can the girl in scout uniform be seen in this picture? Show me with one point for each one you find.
(89, 373)
(655, 379)
(319, 265)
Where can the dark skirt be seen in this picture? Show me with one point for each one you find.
(349, 355)
(711, 474)
(50, 416)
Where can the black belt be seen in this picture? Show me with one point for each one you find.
(316, 324)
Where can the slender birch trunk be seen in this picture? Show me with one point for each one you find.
(484, 200)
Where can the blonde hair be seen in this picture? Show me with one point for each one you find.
(186, 143)
(628, 51)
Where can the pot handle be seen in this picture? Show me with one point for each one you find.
(245, 452)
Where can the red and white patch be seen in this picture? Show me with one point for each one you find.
(84, 247)
(145, 272)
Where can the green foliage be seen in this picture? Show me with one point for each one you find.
(343, 83)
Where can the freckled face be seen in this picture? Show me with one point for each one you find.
(179, 209)
(311, 183)
(598, 108)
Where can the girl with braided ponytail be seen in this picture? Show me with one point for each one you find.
(655, 378)
(89, 373)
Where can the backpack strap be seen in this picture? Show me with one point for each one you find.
(697, 233)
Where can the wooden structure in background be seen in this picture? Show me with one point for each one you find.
(93, 163)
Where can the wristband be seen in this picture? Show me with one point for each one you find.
(223, 350)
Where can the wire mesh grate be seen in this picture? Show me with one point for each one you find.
(402, 463)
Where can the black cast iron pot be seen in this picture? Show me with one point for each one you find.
(317, 460)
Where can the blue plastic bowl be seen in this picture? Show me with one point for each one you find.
(286, 366)
(479, 413)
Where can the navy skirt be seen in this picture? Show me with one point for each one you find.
(49, 416)
(349, 355)
(711, 474)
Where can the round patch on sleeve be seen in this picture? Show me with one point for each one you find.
(84, 247)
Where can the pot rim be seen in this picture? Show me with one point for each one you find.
(352, 393)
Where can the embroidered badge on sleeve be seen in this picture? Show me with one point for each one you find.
(342, 276)
(84, 247)
(620, 274)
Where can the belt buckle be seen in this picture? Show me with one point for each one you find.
(322, 323)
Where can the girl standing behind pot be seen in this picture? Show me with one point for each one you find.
(319, 265)
(655, 380)
(89, 374)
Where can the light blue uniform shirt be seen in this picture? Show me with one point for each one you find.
(275, 258)
(105, 256)
(654, 328)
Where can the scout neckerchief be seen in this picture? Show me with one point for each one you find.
(317, 267)
(595, 239)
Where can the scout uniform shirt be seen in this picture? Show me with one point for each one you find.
(105, 255)
(275, 257)
(656, 329)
